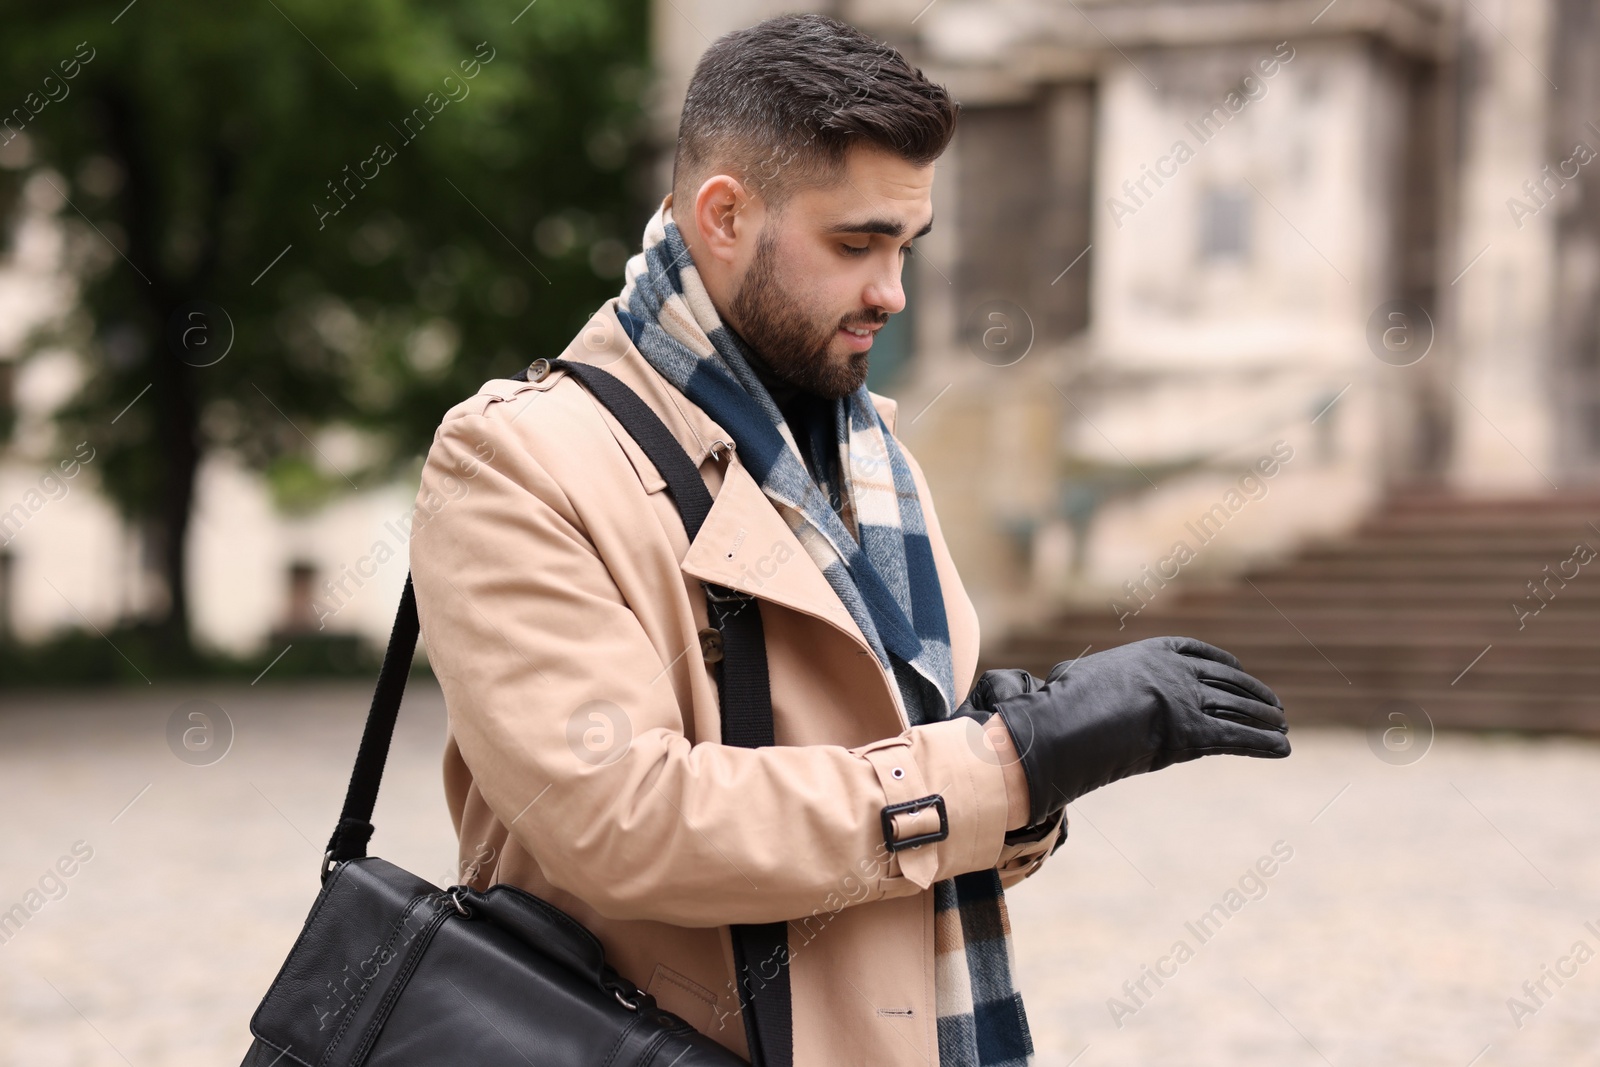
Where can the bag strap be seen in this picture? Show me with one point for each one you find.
(746, 708)
(350, 837)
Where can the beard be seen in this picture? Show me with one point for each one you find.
(792, 343)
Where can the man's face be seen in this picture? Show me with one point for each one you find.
(825, 275)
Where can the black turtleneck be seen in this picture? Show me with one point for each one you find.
(782, 392)
(809, 415)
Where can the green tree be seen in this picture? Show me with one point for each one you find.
(369, 208)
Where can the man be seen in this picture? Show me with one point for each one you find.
(564, 607)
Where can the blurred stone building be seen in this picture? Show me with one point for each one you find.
(1182, 243)
(1240, 276)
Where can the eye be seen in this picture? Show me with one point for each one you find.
(853, 250)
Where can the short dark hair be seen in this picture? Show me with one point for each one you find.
(781, 103)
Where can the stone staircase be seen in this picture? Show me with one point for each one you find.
(1415, 606)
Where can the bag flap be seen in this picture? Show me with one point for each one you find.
(370, 917)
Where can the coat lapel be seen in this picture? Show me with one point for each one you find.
(744, 543)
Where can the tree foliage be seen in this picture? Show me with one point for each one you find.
(369, 208)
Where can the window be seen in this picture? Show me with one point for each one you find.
(1225, 225)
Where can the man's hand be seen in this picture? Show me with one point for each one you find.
(1125, 711)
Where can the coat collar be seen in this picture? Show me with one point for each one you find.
(604, 343)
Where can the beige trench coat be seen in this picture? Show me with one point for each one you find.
(561, 604)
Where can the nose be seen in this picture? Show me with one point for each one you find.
(885, 291)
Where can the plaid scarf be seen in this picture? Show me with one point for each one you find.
(875, 554)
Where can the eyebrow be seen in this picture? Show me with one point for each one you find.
(886, 227)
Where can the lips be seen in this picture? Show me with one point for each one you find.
(859, 342)
(867, 329)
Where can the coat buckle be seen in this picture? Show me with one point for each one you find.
(721, 594)
(911, 807)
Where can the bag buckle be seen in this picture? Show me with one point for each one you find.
(908, 807)
(454, 895)
(631, 996)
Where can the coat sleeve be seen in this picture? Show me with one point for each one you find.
(535, 646)
(1018, 861)
(1023, 857)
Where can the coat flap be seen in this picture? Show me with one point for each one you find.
(746, 545)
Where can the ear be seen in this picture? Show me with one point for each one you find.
(722, 214)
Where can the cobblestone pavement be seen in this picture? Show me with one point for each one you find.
(1405, 904)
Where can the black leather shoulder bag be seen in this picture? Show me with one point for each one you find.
(390, 970)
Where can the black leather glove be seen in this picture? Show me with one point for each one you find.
(1125, 711)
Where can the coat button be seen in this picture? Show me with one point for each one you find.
(711, 644)
(538, 369)
(899, 772)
